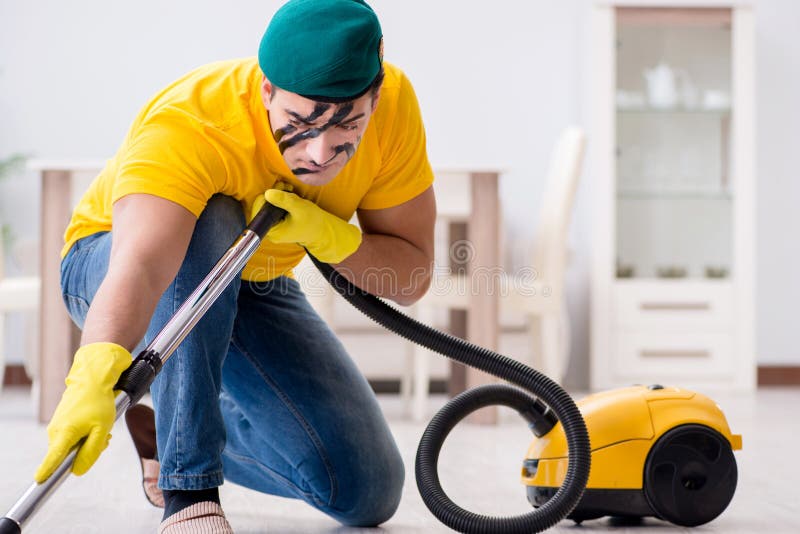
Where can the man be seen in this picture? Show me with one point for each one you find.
(261, 392)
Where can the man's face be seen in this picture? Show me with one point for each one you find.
(316, 138)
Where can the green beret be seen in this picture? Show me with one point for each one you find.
(322, 49)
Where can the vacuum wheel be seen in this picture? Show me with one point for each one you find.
(690, 475)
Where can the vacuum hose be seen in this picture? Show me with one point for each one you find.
(540, 418)
(557, 403)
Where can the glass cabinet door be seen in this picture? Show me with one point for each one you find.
(674, 192)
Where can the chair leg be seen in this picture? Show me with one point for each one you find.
(421, 368)
(2, 348)
(536, 359)
(565, 339)
(421, 383)
(407, 377)
(553, 365)
(31, 333)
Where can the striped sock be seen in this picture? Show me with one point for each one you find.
(177, 500)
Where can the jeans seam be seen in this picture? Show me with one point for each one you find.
(298, 416)
(214, 474)
(214, 479)
(179, 363)
(78, 298)
(279, 477)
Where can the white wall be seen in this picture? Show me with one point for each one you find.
(496, 81)
(778, 289)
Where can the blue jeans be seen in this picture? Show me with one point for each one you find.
(261, 392)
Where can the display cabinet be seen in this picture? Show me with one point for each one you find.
(673, 161)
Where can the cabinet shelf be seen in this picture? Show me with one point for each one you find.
(700, 112)
(652, 193)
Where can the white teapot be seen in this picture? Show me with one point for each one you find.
(661, 86)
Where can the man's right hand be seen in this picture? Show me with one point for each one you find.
(327, 237)
(86, 409)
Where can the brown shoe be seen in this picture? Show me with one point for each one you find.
(204, 517)
(141, 423)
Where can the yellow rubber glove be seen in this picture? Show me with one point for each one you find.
(327, 237)
(260, 200)
(86, 409)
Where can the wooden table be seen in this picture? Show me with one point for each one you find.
(464, 196)
(468, 199)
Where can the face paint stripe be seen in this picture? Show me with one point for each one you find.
(302, 136)
(347, 148)
(341, 113)
(319, 109)
(280, 132)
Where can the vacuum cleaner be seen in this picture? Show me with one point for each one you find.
(657, 451)
(563, 452)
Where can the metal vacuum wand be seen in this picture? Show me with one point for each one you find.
(136, 380)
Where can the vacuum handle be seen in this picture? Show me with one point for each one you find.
(135, 381)
(267, 217)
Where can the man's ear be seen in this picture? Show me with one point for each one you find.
(375, 98)
(267, 92)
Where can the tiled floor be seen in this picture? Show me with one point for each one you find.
(479, 468)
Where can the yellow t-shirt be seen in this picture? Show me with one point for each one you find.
(208, 133)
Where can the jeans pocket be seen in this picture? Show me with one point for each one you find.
(79, 274)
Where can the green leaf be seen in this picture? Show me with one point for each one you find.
(6, 237)
(11, 164)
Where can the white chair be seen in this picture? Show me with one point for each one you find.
(19, 293)
(538, 294)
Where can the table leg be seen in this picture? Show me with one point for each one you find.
(59, 337)
(459, 266)
(482, 317)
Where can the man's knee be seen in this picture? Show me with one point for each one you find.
(374, 498)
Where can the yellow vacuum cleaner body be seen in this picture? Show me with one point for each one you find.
(656, 451)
